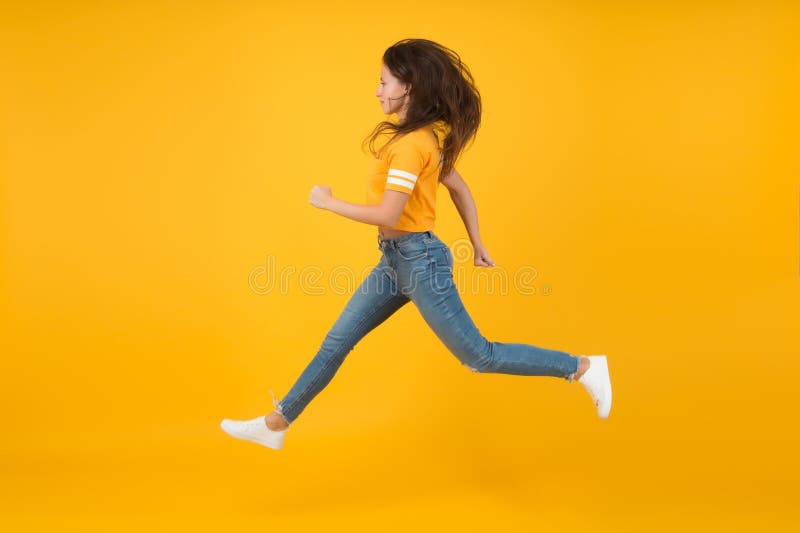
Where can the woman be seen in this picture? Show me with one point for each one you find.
(438, 109)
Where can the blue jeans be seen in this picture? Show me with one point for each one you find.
(418, 267)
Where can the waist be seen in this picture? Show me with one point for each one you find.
(387, 233)
(394, 242)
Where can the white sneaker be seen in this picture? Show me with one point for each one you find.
(254, 430)
(598, 383)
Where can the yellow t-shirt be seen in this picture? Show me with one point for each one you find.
(410, 164)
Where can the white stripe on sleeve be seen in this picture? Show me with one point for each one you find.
(399, 181)
(402, 174)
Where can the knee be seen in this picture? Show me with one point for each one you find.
(335, 344)
(335, 336)
(342, 332)
(477, 358)
(479, 366)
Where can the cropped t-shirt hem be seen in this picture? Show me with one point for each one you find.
(416, 230)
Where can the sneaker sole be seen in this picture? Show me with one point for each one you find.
(607, 378)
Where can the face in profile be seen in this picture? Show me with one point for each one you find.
(392, 93)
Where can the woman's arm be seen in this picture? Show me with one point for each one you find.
(387, 213)
(462, 198)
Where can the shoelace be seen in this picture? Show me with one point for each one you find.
(258, 423)
(277, 408)
(274, 400)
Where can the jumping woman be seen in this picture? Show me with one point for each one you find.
(438, 110)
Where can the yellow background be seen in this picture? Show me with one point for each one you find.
(641, 156)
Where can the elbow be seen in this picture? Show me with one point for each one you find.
(390, 217)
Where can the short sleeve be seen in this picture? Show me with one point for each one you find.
(405, 160)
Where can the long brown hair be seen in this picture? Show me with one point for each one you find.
(442, 88)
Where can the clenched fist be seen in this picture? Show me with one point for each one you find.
(320, 195)
(482, 256)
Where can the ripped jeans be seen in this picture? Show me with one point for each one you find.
(418, 267)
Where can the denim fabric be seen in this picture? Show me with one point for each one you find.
(418, 267)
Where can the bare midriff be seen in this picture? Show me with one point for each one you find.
(390, 233)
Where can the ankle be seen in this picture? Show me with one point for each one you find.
(583, 366)
(275, 421)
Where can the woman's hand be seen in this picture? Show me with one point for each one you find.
(482, 256)
(320, 196)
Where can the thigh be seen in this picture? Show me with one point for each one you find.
(375, 300)
(430, 286)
